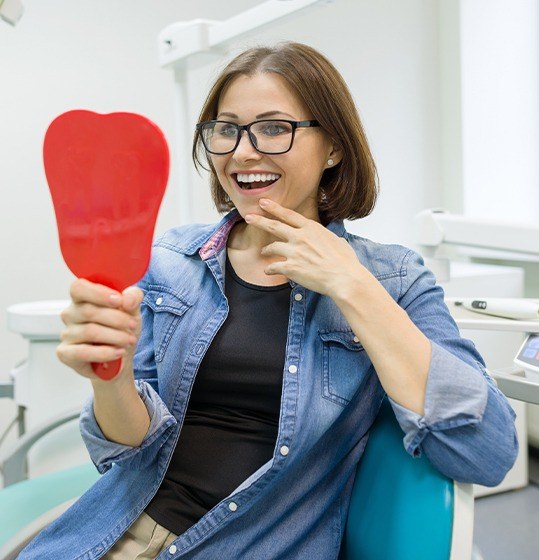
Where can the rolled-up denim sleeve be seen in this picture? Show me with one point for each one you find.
(467, 430)
(454, 397)
(104, 452)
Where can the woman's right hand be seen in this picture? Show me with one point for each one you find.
(102, 325)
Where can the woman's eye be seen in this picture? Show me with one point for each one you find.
(227, 131)
(274, 129)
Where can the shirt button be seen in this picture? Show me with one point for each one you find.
(232, 506)
(356, 339)
(173, 549)
(159, 301)
(292, 369)
(285, 450)
(298, 297)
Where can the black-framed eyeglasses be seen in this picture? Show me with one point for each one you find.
(268, 136)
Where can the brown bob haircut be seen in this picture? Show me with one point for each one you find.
(348, 190)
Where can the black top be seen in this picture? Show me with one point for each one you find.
(232, 419)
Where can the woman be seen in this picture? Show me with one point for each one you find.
(265, 345)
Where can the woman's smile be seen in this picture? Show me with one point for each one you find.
(254, 182)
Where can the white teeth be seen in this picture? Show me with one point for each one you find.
(255, 177)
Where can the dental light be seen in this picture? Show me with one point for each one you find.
(11, 11)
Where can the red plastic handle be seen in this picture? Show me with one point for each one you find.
(107, 370)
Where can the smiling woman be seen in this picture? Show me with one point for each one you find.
(297, 151)
(318, 91)
(264, 345)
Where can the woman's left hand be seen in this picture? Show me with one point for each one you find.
(313, 256)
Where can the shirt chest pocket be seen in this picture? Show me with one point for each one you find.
(168, 309)
(344, 365)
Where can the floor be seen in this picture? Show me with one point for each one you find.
(507, 525)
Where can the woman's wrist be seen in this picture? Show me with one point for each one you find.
(120, 411)
(118, 383)
(354, 286)
(117, 391)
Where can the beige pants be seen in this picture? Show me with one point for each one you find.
(144, 540)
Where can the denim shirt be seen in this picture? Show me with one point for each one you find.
(295, 506)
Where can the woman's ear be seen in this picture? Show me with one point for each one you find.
(334, 156)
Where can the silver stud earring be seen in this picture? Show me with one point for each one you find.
(330, 162)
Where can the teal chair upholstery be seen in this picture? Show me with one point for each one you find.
(24, 503)
(401, 507)
(27, 505)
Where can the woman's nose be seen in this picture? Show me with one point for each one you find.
(245, 149)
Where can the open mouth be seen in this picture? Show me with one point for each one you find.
(250, 181)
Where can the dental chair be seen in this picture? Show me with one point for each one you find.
(29, 505)
(401, 507)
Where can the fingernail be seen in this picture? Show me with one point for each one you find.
(115, 299)
(248, 218)
(119, 352)
(263, 202)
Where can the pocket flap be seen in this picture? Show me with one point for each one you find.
(162, 298)
(344, 338)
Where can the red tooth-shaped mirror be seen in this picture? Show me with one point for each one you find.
(107, 175)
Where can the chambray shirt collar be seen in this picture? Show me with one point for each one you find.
(210, 244)
(206, 244)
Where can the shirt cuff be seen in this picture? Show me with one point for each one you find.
(456, 395)
(104, 452)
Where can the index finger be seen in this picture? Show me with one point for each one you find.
(84, 291)
(275, 227)
(285, 215)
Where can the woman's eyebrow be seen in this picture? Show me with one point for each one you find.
(231, 115)
(261, 116)
(272, 114)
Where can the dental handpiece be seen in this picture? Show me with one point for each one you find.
(508, 308)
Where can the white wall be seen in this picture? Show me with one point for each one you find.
(500, 108)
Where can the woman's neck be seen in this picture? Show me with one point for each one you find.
(244, 246)
(244, 237)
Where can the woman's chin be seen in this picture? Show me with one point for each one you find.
(251, 207)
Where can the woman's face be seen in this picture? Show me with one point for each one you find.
(292, 178)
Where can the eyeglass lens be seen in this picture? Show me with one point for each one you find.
(269, 136)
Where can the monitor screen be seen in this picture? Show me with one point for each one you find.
(529, 353)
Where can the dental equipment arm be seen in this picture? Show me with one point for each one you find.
(434, 228)
(11, 11)
(13, 460)
(185, 38)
